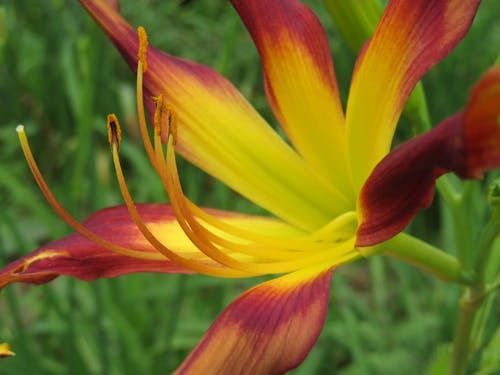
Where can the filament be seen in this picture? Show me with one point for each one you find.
(141, 70)
(181, 261)
(72, 222)
(198, 235)
(236, 252)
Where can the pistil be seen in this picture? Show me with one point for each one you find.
(59, 209)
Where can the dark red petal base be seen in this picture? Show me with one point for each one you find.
(467, 144)
(269, 329)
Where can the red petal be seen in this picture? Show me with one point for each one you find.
(76, 256)
(270, 329)
(403, 182)
(483, 142)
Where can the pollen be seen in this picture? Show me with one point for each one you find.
(165, 118)
(158, 116)
(143, 47)
(114, 131)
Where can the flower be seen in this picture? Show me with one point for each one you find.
(5, 350)
(334, 193)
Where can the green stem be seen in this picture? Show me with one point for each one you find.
(490, 288)
(489, 235)
(377, 271)
(464, 224)
(426, 257)
(472, 299)
(447, 192)
(470, 302)
(355, 20)
(480, 322)
(417, 111)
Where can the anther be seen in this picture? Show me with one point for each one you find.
(172, 122)
(114, 131)
(165, 118)
(143, 47)
(158, 116)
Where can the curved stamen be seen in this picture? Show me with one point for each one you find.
(141, 69)
(284, 253)
(113, 128)
(143, 48)
(72, 222)
(337, 230)
(334, 253)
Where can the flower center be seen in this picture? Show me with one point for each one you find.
(219, 241)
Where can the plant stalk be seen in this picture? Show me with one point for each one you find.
(426, 257)
(469, 304)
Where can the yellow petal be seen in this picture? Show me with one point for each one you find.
(300, 82)
(412, 36)
(222, 134)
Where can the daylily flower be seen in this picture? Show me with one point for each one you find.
(334, 192)
(5, 351)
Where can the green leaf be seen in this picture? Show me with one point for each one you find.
(440, 362)
(490, 360)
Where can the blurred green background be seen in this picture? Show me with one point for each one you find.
(60, 76)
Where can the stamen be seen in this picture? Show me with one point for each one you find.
(143, 47)
(282, 248)
(158, 145)
(167, 180)
(165, 118)
(59, 209)
(197, 234)
(141, 69)
(286, 255)
(335, 231)
(157, 118)
(340, 227)
(315, 241)
(181, 261)
(114, 131)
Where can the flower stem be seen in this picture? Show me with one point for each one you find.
(489, 235)
(472, 299)
(470, 302)
(427, 257)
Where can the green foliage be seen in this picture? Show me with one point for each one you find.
(490, 360)
(60, 77)
(441, 361)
